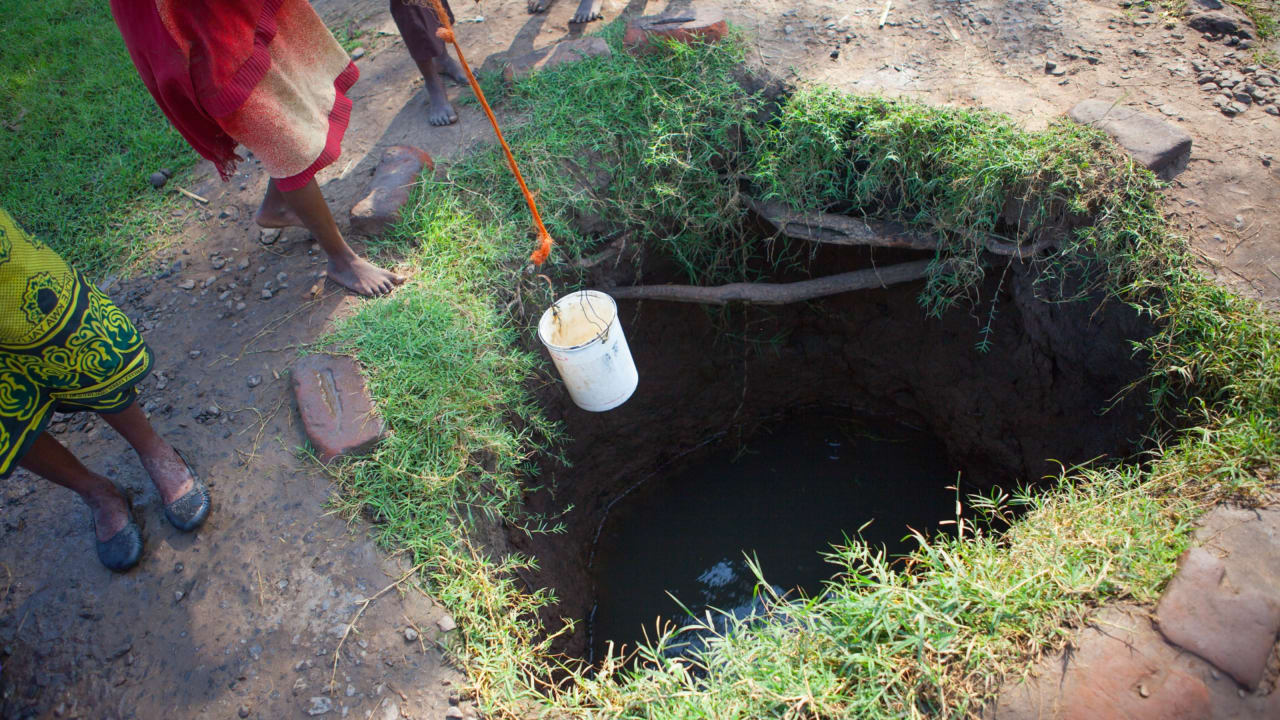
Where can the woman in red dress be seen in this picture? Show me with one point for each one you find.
(266, 74)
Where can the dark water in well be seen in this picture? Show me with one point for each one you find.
(784, 498)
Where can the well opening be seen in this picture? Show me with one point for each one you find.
(1048, 390)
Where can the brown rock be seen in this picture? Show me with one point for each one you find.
(703, 23)
(389, 190)
(569, 51)
(1161, 147)
(337, 412)
(1119, 668)
(1233, 630)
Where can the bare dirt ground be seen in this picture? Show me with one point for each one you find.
(243, 617)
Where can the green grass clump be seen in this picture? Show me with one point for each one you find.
(79, 133)
(675, 134)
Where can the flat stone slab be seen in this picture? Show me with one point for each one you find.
(1234, 630)
(389, 191)
(337, 412)
(704, 23)
(569, 51)
(1161, 147)
(1120, 668)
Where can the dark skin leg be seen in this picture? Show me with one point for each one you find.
(439, 111)
(168, 472)
(51, 461)
(307, 207)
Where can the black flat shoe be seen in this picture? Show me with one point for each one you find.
(123, 550)
(189, 511)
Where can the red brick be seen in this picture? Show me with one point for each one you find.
(337, 412)
(389, 191)
(569, 51)
(703, 23)
(1233, 630)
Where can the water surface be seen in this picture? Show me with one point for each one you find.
(784, 498)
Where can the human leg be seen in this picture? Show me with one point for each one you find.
(345, 267)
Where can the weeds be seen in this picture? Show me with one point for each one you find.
(79, 134)
(675, 143)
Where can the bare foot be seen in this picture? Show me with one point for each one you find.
(360, 276)
(274, 212)
(587, 11)
(538, 6)
(440, 111)
(452, 70)
(169, 474)
(110, 511)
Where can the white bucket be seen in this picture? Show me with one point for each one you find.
(585, 340)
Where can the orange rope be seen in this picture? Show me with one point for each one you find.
(445, 33)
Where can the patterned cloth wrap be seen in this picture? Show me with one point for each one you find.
(64, 346)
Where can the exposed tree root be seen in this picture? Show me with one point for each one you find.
(843, 230)
(778, 293)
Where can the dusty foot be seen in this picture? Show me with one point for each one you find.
(452, 70)
(587, 11)
(271, 215)
(440, 111)
(363, 277)
(110, 511)
(538, 6)
(169, 474)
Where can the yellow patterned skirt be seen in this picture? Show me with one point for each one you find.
(64, 346)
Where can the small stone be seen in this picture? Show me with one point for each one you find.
(218, 262)
(267, 294)
(187, 284)
(410, 634)
(453, 713)
(351, 689)
(240, 306)
(446, 623)
(702, 23)
(254, 381)
(255, 652)
(243, 712)
(178, 595)
(193, 354)
(243, 264)
(209, 281)
(399, 167)
(337, 412)
(357, 53)
(283, 585)
(319, 705)
(282, 278)
(214, 410)
(268, 236)
(158, 179)
(1273, 110)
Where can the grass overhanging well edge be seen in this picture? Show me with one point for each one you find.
(453, 383)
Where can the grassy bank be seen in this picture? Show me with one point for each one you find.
(79, 134)
(663, 146)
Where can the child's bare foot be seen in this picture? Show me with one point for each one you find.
(360, 276)
(274, 212)
(439, 110)
(587, 11)
(452, 70)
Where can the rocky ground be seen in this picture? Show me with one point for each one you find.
(243, 618)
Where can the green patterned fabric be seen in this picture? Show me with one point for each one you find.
(64, 346)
